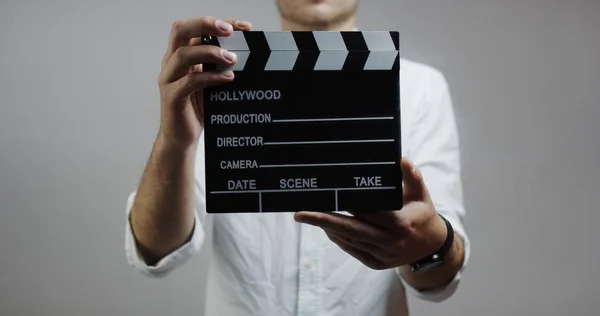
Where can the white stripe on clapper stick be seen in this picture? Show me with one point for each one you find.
(281, 41)
(284, 51)
(329, 40)
(382, 51)
(282, 60)
(332, 50)
(380, 60)
(379, 41)
(235, 42)
(331, 60)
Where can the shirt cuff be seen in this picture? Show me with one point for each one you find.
(169, 262)
(446, 291)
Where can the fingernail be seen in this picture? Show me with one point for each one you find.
(227, 74)
(417, 173)
(223, 26)
(243, 24)
(231, 57)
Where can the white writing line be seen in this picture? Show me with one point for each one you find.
(329, 164)
(260, 202)
(336, 201)
(334, 119)
(330, 142)
(303, 190)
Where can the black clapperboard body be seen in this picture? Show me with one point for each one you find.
(310, 122)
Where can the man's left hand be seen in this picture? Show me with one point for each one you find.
(387, 239)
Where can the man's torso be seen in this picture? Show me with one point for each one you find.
(267, 264)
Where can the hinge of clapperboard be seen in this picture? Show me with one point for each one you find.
(209, 40)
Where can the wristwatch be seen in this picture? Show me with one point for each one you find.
(437, 258)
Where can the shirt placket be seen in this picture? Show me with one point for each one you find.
(310, 272)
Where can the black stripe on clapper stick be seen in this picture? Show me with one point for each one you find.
(308, 50)
(358, 52)
(259, 51)
(395, 35)
(396, 39)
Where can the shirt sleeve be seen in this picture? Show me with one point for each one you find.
(435, 151)
(187, 250)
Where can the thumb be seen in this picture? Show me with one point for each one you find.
(414, 186)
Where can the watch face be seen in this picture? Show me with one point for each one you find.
(426, 266)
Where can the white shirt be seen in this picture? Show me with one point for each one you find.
(269, 265)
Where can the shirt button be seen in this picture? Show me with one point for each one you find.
(308, 263)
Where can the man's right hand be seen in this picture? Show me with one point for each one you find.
(182, 81)
(162, 215)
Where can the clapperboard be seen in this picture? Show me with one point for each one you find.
(310, 122)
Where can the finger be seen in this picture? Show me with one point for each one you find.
(196, 68)
(385, 220)
(342, 224)
(184, 30)
(188, 56)
(414, 186)
(194, 81)
(376, 251)
(195, 41)
(237, 26)
(360, 255)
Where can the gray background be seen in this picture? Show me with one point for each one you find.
(79, 111)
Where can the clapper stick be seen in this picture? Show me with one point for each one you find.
(310, 122)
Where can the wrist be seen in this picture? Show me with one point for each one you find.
(440, 245)
(439, 276)
(166, 146)
(440, 229)
(166, 141)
